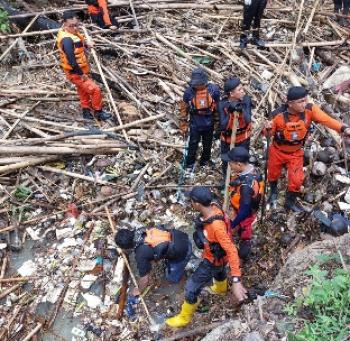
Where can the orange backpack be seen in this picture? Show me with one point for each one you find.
(203, 103)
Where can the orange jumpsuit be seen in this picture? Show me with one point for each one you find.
(286, 152)
(75, 64)
(98, 10)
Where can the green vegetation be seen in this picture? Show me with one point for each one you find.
(4, 22)
(326, 303)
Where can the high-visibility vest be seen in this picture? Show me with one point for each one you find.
(156, 236)
(79, 52)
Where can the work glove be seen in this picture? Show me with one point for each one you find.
(247, 2)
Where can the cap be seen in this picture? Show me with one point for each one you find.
(296, 92)
(231, 84)
(201, 195)
(198, 77)
(238, 154)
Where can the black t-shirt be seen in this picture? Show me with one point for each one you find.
(144, 255)
(175, 250)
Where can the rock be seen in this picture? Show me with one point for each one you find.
(104, 162)
(233, 327)
(319, 168)
(106, 191)
(129, 112)
(28, 268)
(92, 301)
(64, 233)
(325, 155)
(253, 336)
(68, 242)
(327, 207)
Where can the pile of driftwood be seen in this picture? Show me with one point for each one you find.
(128, 169)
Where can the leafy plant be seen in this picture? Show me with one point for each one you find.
(327, 300)
(4, 22)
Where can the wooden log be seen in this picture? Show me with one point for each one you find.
(27, 163)
(75, 175)
(194, 331)
(33, 332)
(136, 123)
(92, 150)
(9, 290)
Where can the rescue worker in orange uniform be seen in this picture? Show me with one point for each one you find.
(236, 100)
(246, 187)
(198, 108)
(99, 14)
(212, 234)
(71, 45)
(289, 128)
(154, 244)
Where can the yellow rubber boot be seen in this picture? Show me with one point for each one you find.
(219, 287)
(184, 317)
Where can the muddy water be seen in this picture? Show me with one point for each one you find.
(64, 323)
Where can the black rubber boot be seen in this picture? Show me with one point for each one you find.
(243, 41)
(291, 203)
(87, 115)
(257, 41)
(272, 200)
(102, 115)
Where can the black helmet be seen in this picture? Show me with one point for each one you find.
(231, 84)
(198, 77)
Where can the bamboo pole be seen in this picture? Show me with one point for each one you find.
(9, 290)
(136, 123)
(8, 133)
(5, 53)
(75, 175)
(94, 149)
(116, 112)
(28, 163)
(306, 28)
(134, 14)
(121, 252)
(33, 332)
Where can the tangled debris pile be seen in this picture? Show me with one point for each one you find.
(60, 179)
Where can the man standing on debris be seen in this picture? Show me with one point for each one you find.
(237, 101)
(153, 244)
(198, 107)
(289, 128)
(71, 45)
(246, 188)
(99, 14)
(253, 11)
(213, 236)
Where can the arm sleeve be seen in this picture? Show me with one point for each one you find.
(215, 92)
(224, 118)
(143, 256)
(247, 109)
(68, 49)
(245, 205)
(231, 251)
(321, 117)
